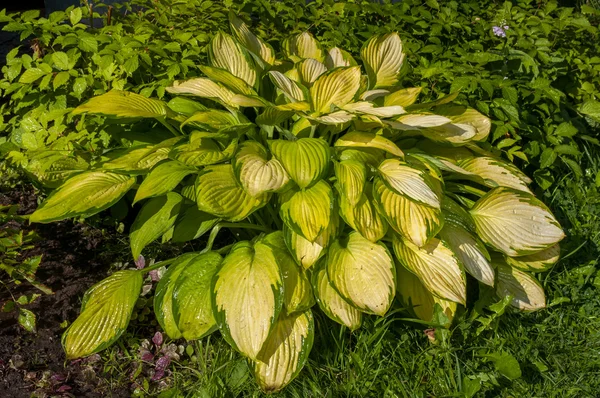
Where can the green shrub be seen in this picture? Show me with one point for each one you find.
(328, 172)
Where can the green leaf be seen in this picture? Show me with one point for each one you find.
(363, 273)
(192, 308)
(163, 297)
(305, 160)
(75, 16)
(155, 218)
(505, 364)
(162, 179)
(105, 312)
(61, 60)
(84, 195)
(219, 193)
(248, 296)
(27, 320)
(226, 78)
(31, 75)
(591, 108)
(307, 212)
(192, 224)
(124, 104)
(360, 139)
(285, 351)
(60, 79)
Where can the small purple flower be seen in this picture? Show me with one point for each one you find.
(140, 263)
(157, 339)
(160, 367)
(498, 31)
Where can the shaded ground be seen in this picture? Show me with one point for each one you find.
(73, 260)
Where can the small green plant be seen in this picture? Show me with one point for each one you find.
(348, 191)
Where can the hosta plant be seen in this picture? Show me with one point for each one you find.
(345, 192)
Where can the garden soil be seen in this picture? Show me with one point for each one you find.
(35, 364)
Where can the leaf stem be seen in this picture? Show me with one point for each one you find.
(164, 122)
(217, 228)
(158, 265)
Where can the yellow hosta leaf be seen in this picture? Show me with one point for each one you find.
(303, 46)
(252, 42)
(331, 303)
(124, 104)
(498, 172)
(362, 139)
(334, 118)
(403, 97)
(306, 160)
(309, 70)
(298, 295)
(370, 156)
(307, 253)
(105, 314)
(414, 221)
(226, 78)
(308, 211)
(291, 89)
(383, 57)
(436, 266)
(336, 57)
(351, 178)
(192, 302)
(248, 296)
(417, 121)
(527, 293)
(470, 252)
(219, 193)
(83, 195)
(257, 174)
(363, 107)
(363, 273)
(415, 296)
(162, 179)
(460, 114)
(202, 87)
(452, 133)
(285, 352)
(336, 87)
(203, 152)
(363, 216)
(540, 261)
(416, 184)
(515, 223)
(225, 53)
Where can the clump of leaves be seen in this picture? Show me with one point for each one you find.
(350, 194)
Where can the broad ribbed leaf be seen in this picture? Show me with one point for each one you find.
(248, 296)
(403, 97)
(361, 139)
(363, 273)
(219, 193)
(370, 156)
(155, 218)
(105, 314)
(256, 173)
(334, 118)
(202, 87)
(515, 223)
(215, 120)
(309, 70)
(537, 262)
(306, 160)
(285, 352)
(363, 216)
(226, 78)
(496, 172)
(192, 305)
(368, 108)
(464, 115)
(383, 56)
(303, 46)
(527, 293)
(298, 295)
(436, 265)
(307, 212)
(225, 53)
(83, 195)
(351, 179)
(291, 89)
(52, 169)
(417, 121)
(415, 296)
(414, 221)
(331, 303)
(414, 183)
(162, 179)
(253, 43)
(124, 104)
(336, 87)
(163, 297)
(336, 57)
(192, 224)
(456, 214)
(452, 133)
(470, 252)
(139, 160)
(203, 152)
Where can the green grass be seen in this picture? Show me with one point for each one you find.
(557, 349)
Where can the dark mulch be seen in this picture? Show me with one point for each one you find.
(73, 260)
